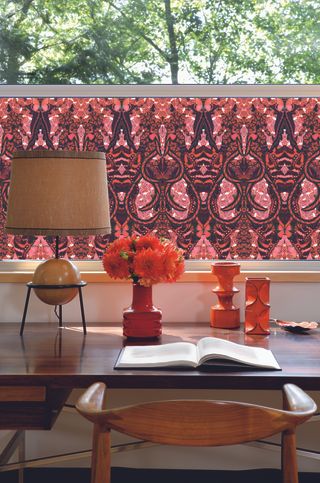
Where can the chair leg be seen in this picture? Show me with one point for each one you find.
(289, 457)
(100, 461)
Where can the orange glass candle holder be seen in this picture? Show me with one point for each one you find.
(224, 314)
(257, 313)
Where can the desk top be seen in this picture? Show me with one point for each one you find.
(68, 359)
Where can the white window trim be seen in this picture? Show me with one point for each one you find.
(183, 90)
(197, 271)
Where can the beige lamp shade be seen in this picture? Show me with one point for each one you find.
(58, 193)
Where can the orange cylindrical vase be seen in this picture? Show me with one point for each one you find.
(257, 314)
(224, 314)
(142, 320)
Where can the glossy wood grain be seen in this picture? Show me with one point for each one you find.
(22, 393)
(68, 359)
(195, 423)
(27, 410)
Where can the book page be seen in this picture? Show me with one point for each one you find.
(165, 355)
(212, 348)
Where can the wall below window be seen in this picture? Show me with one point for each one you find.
(180, 302)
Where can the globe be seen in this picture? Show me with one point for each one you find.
(56, 271)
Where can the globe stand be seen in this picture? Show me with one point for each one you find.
(31, 285)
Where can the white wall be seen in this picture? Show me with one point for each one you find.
(180, 302)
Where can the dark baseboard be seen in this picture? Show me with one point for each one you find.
(119, 475)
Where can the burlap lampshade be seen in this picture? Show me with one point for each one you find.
(58, 193)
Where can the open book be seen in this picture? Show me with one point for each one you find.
(208, 351)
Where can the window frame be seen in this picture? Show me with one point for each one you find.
(160, 90)
(279, 270)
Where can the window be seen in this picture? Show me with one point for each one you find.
(262, 204)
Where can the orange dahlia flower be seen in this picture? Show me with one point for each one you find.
(148, 241)
(148, 266)
(120, 245)
(173, 264)
(115, 265)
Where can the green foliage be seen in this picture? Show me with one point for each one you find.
(159, 41)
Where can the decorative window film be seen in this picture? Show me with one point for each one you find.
(227, 178)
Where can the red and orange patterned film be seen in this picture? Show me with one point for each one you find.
(227, 178)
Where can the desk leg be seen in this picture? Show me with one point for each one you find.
(82, 312)
(25, 311)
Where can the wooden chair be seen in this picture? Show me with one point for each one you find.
(195, 423)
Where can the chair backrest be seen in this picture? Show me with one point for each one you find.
(196, 423)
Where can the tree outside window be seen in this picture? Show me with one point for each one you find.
(159, 41)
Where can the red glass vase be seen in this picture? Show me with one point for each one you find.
(142, 320)
(257, 313)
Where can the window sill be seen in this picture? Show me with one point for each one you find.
(283, 271)
(189, 276)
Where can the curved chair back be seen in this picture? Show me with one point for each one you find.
(195, 423)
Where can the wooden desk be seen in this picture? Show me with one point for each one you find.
(39, 370)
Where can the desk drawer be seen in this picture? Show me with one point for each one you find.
(30, 407)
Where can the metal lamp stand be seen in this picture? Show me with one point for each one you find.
(31, 285)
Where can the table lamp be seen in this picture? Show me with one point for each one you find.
(58, 193)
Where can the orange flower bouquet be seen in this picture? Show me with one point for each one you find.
(146, 260)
